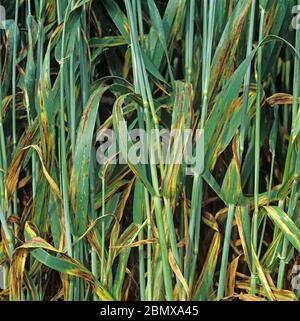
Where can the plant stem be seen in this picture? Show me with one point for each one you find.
(14, 80)
(14, 84)
(3, 157)
(189, 41)
(64, 175)
(257, 148)
(195, 220)
(102, 231)
(94, 258)
(247, 81)
(226, 246)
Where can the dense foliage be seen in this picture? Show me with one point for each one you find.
(75, 229)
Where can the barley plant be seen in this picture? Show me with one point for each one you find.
(77, 228)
